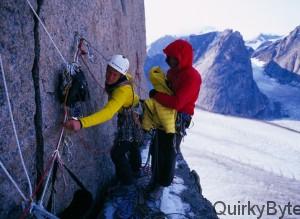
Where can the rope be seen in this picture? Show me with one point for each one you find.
(89, 45)
(91, 73)
(14, 127)
(41, 22)
(80, 52)
(38, 187)
(48, 169)
(13, 181)
(56, 154)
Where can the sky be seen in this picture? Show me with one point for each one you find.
(250, 17)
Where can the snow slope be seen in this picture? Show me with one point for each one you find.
(244, 160)
(241, 160)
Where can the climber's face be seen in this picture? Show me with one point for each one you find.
(112, 75)
(172, 62)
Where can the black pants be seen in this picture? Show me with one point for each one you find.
(163, 152)
(127, 159)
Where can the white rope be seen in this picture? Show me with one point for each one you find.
(47, 180)
(37, 16)
(55, 155)
(13, 181)
(41, 213)
(14, 127)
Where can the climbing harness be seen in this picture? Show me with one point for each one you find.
(183, 121)
(128, 127)
(128, 123)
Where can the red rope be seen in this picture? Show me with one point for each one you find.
(39, 185)
(46, 171)
(81, 52)
(91, 73)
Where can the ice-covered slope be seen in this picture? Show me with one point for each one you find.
(288, 95)
(241, 160)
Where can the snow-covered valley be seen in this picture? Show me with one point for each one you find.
(242, 161)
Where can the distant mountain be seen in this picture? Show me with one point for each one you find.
(228, 86)
(157, 46)
(204, 30)
(282, 58)
(199, 43)
(262, 39)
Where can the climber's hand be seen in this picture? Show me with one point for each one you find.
(73, 125)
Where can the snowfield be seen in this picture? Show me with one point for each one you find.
(241, 160)
(249, 162)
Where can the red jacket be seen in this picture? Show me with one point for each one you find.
(184, 82)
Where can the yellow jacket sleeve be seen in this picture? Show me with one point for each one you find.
(120, 97)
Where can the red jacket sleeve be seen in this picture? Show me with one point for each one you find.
(184, 94)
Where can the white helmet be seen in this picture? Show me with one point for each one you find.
(120, 63)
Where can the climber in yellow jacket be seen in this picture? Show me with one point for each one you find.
(121, 99)
(157, 116)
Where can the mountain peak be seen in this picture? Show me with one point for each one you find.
(295, 33)
(285, 52)
(157, 46)
(227, 31)
(228, 86)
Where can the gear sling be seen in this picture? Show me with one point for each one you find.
(125, 153)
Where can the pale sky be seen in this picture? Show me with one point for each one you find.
(250, 17)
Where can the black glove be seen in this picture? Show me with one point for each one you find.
(152, 93)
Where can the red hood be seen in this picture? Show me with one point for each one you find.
(182, 50)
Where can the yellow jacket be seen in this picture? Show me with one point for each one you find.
(122, 96)
(155, 114)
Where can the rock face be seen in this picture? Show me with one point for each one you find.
(200, 206)
(228, 86)
(32, 66)
(284, 52)
(201, 43)
(282, 75)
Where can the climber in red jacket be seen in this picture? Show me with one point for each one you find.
(185, 82)
(183, 78)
